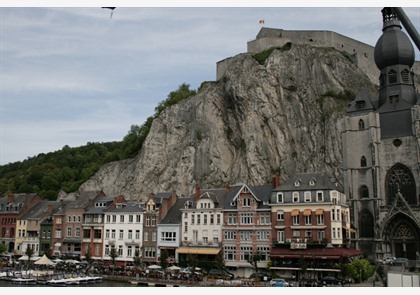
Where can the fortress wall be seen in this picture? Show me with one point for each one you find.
(362, 54)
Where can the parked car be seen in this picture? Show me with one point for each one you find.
(261, 276)
(220, 274)
(400, 261)
(310, 283)
(279, 282)
(388, 260)
(330, 280)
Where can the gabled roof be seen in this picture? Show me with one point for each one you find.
(261, 193)
(40, 210)
(319, 180)
(216, 195)
(174, 215)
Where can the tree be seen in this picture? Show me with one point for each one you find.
(138, 261)
(113, 254)
(253, 260)
(164, 255)
(29, 252)
(3, 248)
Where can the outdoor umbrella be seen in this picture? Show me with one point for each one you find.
(44, 260)
(25, 258)
(154, 266)
(72, 261)
(174, 267)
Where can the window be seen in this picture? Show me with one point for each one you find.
(280, 215)
(146, 236)
(154, 236)
(392, 77)
(137, 234)
(264, 252)
(218, 219)
(192, 218)
(319, 196)
(280, 236)
(247, 218)
(320, 219)
(129, 251)
(114, 218)
(246, 202)
(106, 249)
(361, 124)
(121, 234)
(185, 227)
(230, 235)
(211, 218)
(108, 218)
(195, 236)
(232, 218)
(154, 220)
(198, 219)
(148, 218)
(68, 231)
(120, 250)
(121, 218)
(246, 235)
(113, 234)
(97, 248)
(130, 218)
(130, 234)
(295, 197)
(363, 161)
(58, 220)
(308, 219)
(168, 236)
(265, 218)
(107, 234)
(97, 234)
(263, 235)
(138, 218)
(405, 75)
(321, 235)
(296, 233)
(307, 196)
(229, 253)
(246, 253)
(205, 219)
(280, 198)
(149, 252)
(296, 220)
(308, 234)
(58, 233)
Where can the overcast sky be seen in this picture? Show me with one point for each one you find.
(73, 75)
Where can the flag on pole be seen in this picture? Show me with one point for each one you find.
(261, 22)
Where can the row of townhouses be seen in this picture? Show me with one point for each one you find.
(301, 225)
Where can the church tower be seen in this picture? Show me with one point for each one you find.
(381, 152)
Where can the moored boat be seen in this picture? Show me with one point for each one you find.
(24, 281)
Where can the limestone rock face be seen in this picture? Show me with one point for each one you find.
(259, 119)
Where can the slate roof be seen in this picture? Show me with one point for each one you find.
(174, 215)
(321, 180)
(40, 210)
(261, 192)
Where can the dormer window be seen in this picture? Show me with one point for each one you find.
(312, 182)
(297, 182)
(360, 104)
(295, 197)
(280, 198)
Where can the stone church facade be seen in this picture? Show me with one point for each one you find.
(381, 152)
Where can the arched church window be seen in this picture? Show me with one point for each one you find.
(363, 161)
(361, 124)
(405, 76)
(366, 224)
(400, 179)
(363, 192)
(392, 77)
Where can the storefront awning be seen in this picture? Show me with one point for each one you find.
(316, 253)
(307, 212)
(198, 250)
(295, 212)
(319, 211)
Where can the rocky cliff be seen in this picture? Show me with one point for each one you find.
(278, 114)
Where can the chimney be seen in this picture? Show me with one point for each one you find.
(197, 192)
(10, 198)
(49, 208)
(276, 180)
